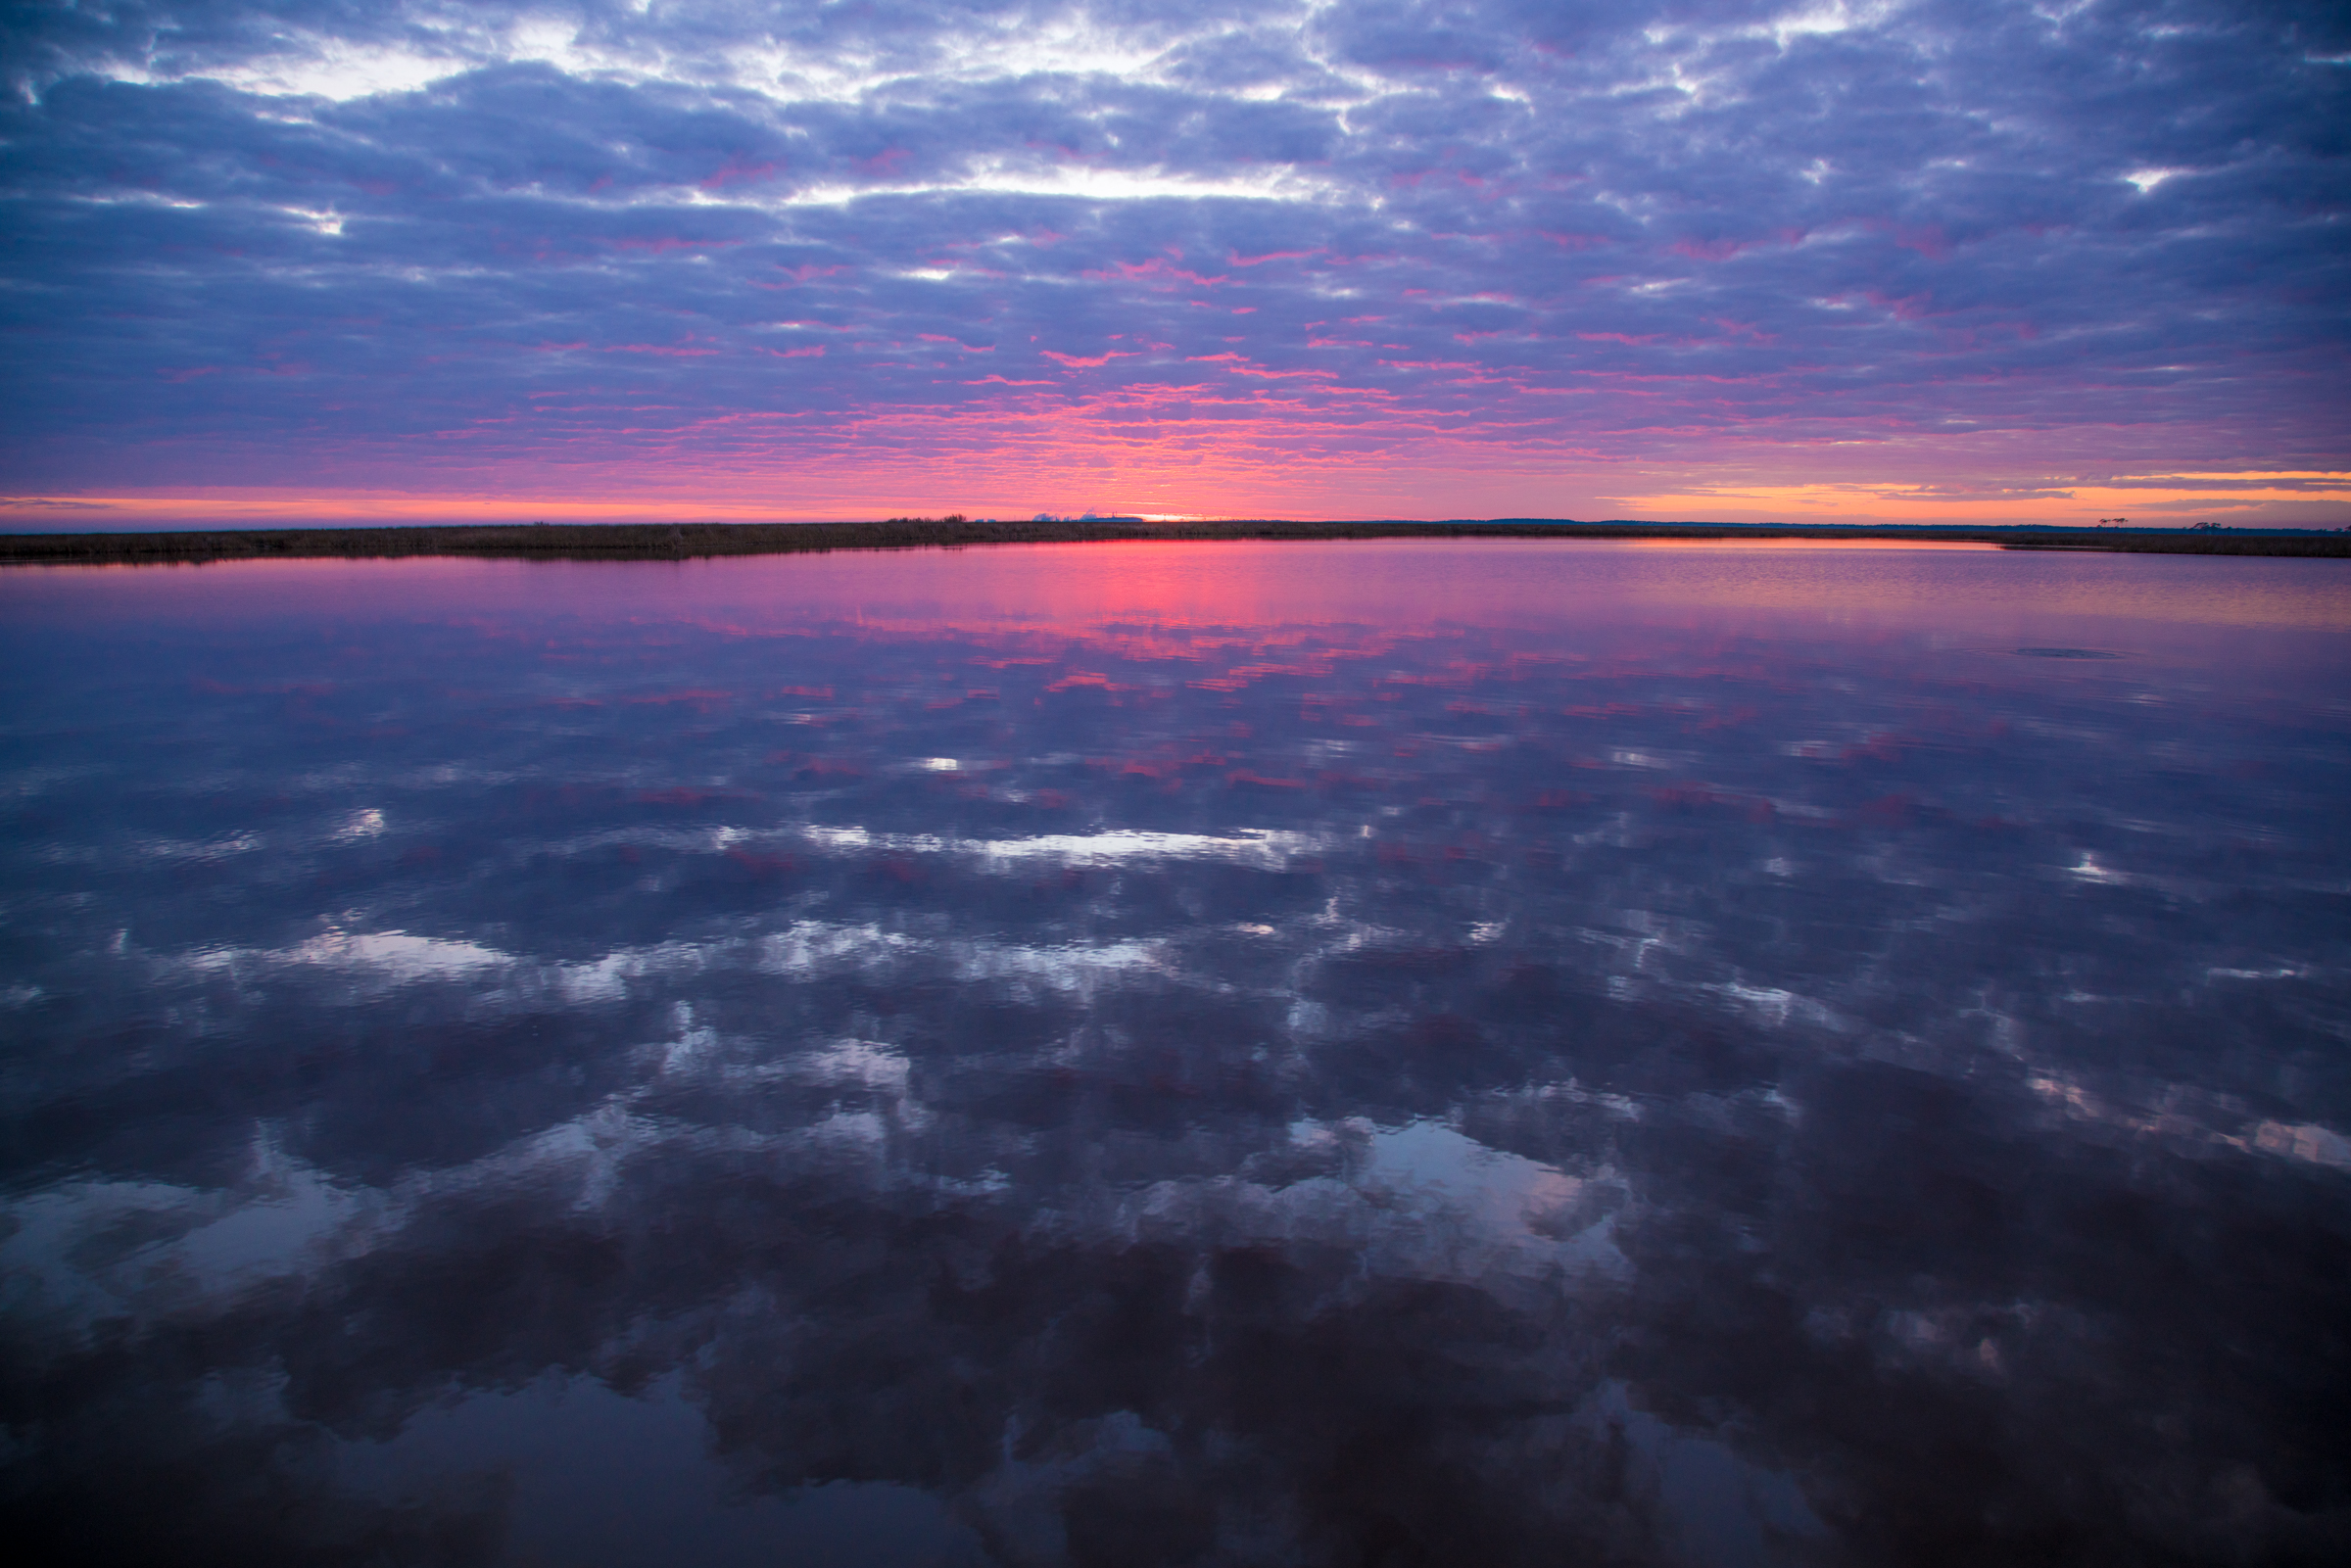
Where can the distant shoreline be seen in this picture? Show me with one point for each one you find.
(692, 541)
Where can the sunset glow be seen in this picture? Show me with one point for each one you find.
(284, 262)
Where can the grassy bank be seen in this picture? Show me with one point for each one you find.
(687, 541)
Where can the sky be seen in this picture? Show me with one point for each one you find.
(1969, 262)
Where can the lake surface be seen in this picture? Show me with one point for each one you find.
(1329, 1055)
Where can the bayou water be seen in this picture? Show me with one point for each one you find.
(1330, 1054)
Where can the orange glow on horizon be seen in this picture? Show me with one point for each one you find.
(1920, 503)
(1006, 486)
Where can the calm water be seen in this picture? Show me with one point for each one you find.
(1263, 1055)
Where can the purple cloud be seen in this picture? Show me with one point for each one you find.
(320, 244)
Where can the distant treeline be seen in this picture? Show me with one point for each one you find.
(686, 541)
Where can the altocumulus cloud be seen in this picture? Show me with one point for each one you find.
(1744, 258)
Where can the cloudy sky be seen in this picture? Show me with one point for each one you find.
(1665, 258)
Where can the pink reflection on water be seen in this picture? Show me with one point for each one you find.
(1186, 603)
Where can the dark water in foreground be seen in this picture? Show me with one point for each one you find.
(1288, 1055)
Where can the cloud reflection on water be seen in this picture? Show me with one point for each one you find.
(1609, 1056)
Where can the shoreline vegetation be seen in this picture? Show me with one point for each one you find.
(692, 541)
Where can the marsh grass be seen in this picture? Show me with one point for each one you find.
(688, 541)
